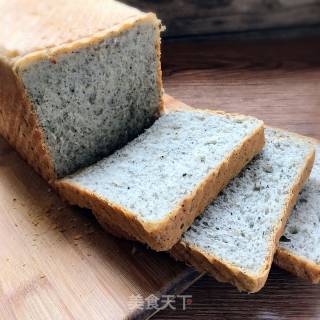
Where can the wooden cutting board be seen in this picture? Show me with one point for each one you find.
(57, 263)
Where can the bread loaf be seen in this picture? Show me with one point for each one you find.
(79, 79)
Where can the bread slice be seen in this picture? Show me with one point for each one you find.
(236, 237)
(79, 79)
(155, 186)
(299, 247)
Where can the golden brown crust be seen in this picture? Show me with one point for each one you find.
(158, 51)
(18, 123)
(27, 26)
(220, 270)
(164, 234)
(297, 265)
(224, 271)
(24, 61)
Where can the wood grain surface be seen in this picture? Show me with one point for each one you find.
(57, 263)
(279, 82)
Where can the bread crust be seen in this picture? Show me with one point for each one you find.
(226, 272)
(19, 124)
(295, 264)
(162, 235)
(22, 62)
(18, 121)
(35, 25)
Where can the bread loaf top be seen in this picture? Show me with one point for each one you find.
(80, 79)
(27, 26)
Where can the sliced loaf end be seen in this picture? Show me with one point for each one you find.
(161, 226)
(67, 107)
(224, 240)
(298, 250)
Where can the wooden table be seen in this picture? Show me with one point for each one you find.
(56, 262)
(279, 82)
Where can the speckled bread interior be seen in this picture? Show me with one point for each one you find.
(221, 260)
(298, 250)
(65, 107)
(163, 234)
(288, 260)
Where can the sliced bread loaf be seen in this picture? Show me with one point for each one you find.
(79, 79)
(235, 238)
(155, 186)
(299, 247)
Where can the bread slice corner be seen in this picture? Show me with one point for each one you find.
(221, 270)
(223, 219)
(300, 266)
(298, 250)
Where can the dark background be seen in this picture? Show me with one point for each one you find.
(280, 18)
